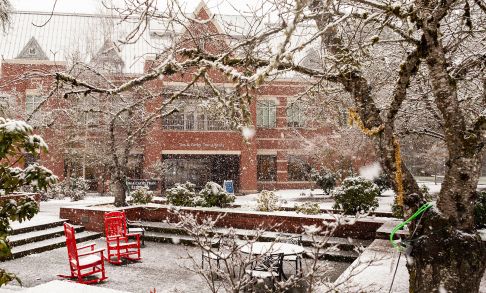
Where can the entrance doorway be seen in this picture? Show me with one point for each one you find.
(199, 169)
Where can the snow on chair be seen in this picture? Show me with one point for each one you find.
(119, 247)
(83, 264)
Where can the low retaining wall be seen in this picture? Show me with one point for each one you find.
(92, 219)
(16, 196)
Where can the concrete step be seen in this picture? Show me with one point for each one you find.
(49, 244)
(331, 252)
(158, 231)
(385, 230)
(39, 235)
(26, 227)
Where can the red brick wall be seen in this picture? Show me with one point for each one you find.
(92, 219)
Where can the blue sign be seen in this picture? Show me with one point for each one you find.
(228, 186)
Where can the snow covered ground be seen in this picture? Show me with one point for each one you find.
(49, 210)
(164, 267)
(290, 197)
(373, 271)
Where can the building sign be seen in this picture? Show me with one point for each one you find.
(202, 145)
(151, 184)
(229, 186)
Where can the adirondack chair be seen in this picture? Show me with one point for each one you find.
(119, 246)
(83, 264)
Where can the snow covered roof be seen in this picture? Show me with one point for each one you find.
(71, 37)
(79, 37)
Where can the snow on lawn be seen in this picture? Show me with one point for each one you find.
(290, 197)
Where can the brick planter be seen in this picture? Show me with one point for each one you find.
(92, 219)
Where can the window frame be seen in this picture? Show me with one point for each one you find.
(192, 117)
(304, 166)
(295, 114)
(272, 168)
(31, 106)
(266, 113)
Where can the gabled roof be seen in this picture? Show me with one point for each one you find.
(32, 50)
(79, 37)
(108, 57)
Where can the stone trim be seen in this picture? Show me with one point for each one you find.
(200, 152)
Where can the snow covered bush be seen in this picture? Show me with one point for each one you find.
(53, 192)
(480, 210)
(325, 179)
(141, 195)
(356, 195)
(73, 187)
(267, 201)
(182, 194)
(16, 141)
(383, 182)
(308, 208)
(213, 195)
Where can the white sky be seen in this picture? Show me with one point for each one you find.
(93, 6)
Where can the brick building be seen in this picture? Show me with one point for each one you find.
(194, 146)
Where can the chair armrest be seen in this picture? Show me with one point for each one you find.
(116, 238)
(92, 252)
(91, 244)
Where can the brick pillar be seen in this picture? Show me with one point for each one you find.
(248, 168)
(282, 161)
(282, 176)
(248, 160)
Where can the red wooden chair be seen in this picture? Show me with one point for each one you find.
(117, 239)
(83, 264)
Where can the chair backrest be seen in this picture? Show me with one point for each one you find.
(115, 224)
(71, 242)
(290, 239)
(272, 262)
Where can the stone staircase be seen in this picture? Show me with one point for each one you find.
(338, 249)
(36, 237)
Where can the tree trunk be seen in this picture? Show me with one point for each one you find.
(446, 258)
(119, 189)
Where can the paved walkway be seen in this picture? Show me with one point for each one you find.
(376, 276)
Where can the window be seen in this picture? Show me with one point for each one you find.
(32, 102)
(267, 168)
(298, 169)
(192, 117)
(174, 121)
(135, 166)
(89, 118)
(295, 114)
(266, 113)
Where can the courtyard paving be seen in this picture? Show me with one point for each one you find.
(164, 267)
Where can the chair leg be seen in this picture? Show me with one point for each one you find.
(80, 279)
(103, 275)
